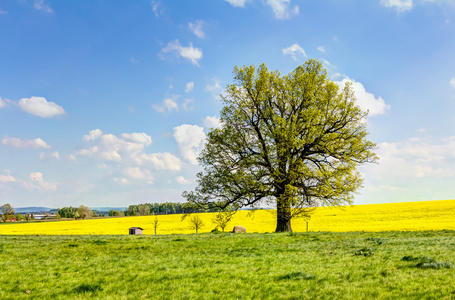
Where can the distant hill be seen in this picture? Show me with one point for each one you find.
(36, 209)
(107, 209)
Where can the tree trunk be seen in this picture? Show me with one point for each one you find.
(283, 217)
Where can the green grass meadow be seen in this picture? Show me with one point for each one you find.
(355, 265)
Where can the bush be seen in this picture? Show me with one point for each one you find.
(365, 252)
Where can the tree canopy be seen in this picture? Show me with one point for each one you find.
(294, 141)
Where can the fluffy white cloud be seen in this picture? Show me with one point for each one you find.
(40, 5)
(196, 28)
(110, 147)
(128, 150)
(18, 143)
(7, 178)
(212, 122)
(189, 87)
(137, 137)
(159, 161)
(321, 48)
(137, 173)
(237, 3)
(39, 106)
(414, 158)
(37, 183)
(190, 53)
(181, 180)
(366, 100)
(2, 103)
(190, 140)
(452, 82)
(282, 9)
(295, 51)
(168, 104)
(92, 135)
(399, 5)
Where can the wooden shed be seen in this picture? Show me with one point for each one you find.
(136, 230)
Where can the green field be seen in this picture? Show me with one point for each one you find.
(354, 265)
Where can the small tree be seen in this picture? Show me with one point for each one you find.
(143, 209)
(222, 218)
(196, 223)
(83, 212)
(19, 217)
(155, 223)
(6, 210)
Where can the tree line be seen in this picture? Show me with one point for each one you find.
(166, 208)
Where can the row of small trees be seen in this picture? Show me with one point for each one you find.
(221, 219)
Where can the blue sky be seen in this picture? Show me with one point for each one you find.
(107, 103)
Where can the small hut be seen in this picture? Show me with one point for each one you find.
(136, 230)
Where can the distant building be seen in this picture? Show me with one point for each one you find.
(136, 230)
(11, 220)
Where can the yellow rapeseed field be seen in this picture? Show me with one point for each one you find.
(413, 216)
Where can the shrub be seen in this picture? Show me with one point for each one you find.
(365, 252)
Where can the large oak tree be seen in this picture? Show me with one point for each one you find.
(293, 141)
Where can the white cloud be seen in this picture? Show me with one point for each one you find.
(321, 48)
(215, 89)
(157, 8)
(128, 150)
(452, 82)
(189, 87)
(92, 135)
(181, 180)
(7, 178)
(168, 104)
(399, 5)
(137, 173)
(212, 122)
(133, 60)
(237, 3)
(111, 148)
(190, 53)
(37, 183)
(190, 140)
(137, 137)
(196, 28)
(295, 51)
(414, 158)
(282, 10)
(366, 100)
(55, 155)
(39, 106)
(40, 5)
(121, 180)
(18, 143)
(2, 103)
(186, 104)
(159, 161)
